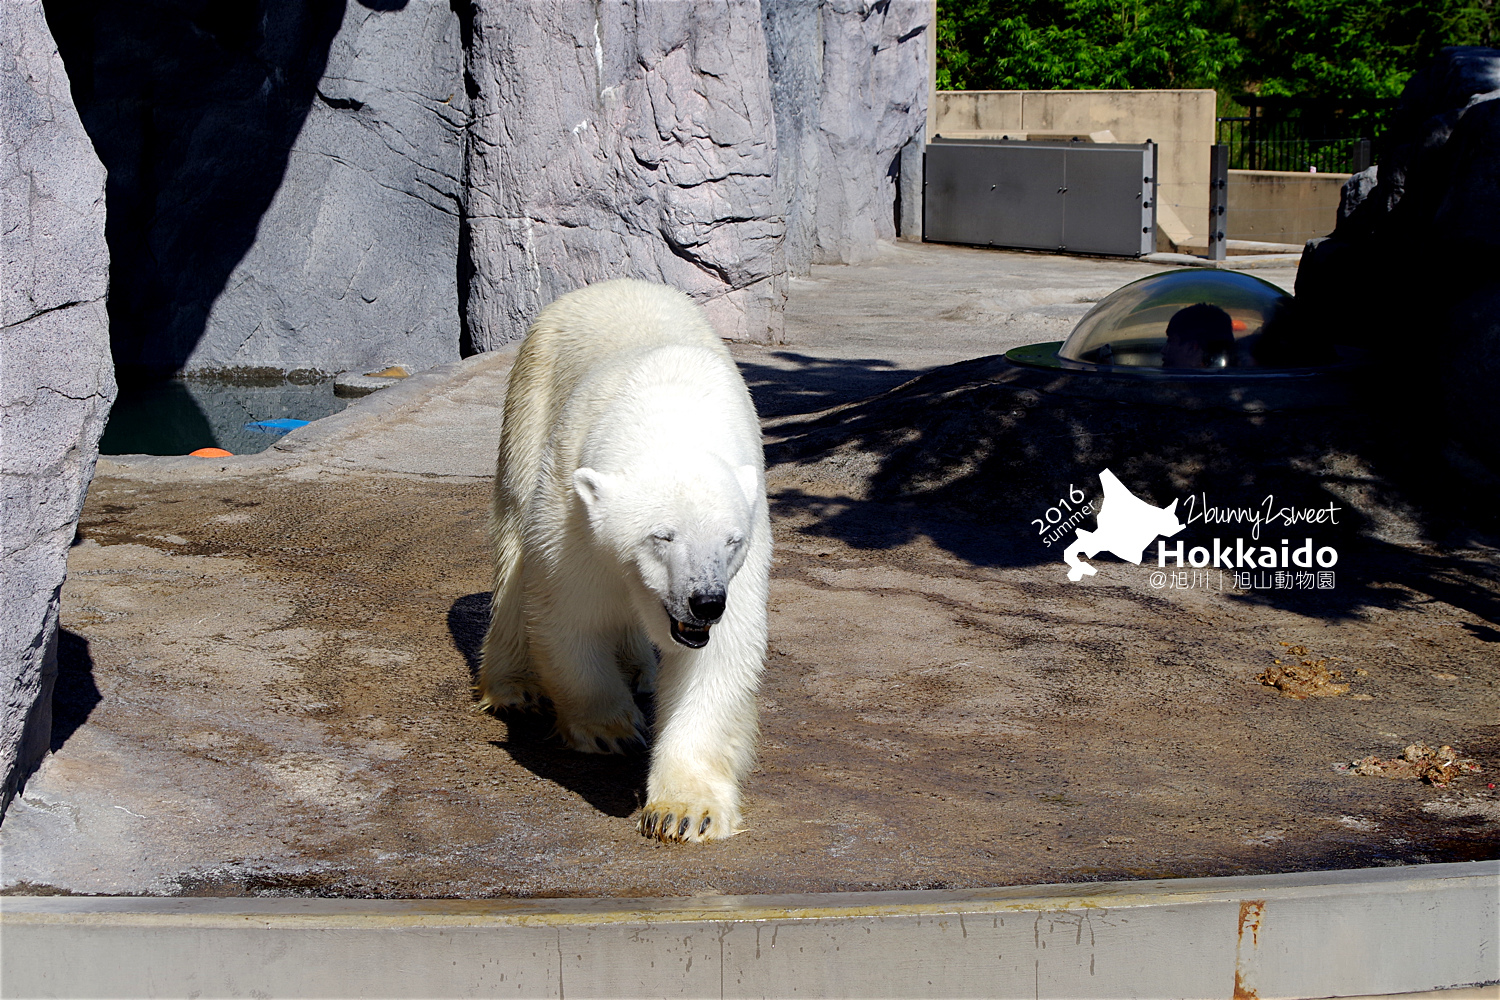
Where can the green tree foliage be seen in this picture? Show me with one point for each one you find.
(1081, 44)
(1335, 48)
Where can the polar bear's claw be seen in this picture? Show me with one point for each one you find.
(623, 744)
(679, 823)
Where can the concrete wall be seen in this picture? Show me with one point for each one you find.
(1282, 206)
(1317, 934)
(1180, 121)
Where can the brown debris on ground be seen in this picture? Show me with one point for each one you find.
(1419, 761)
(1307, 678)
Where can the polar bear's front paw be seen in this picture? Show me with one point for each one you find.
(686, 822)
(618, 735)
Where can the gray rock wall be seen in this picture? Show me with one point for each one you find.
(284, 178)
(1468, 214)
(354, 261)
(1399, 200)
(794, 49)
(622, 140)
(851, 78)
(1436, 186)
(56, 381)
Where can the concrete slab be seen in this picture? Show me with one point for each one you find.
(850, 332)
(1324, 935)
(441, 422)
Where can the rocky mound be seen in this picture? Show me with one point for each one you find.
(1413, 268)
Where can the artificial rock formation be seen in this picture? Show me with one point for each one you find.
(1415, 258)
(56, 382)
(850, 81)
(621, 140)
(714, 147)
(284, 178)
(285, 182)
(355, 260)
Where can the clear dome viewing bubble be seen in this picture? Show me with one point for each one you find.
(1190, 320)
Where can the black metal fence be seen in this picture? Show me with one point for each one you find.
(1302, 134)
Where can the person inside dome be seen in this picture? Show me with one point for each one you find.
(1199, 336)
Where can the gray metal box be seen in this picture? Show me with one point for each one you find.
(1075, 197)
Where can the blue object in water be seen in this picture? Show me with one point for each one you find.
(280, 425)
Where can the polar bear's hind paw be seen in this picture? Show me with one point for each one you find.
(513, 696)
(621, 744)
(622, 734)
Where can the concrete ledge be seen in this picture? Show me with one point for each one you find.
(1239, 248)
(354, 386)
(1324, 934)
(1285, 206)
(1229, 263)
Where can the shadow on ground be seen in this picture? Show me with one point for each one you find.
(810, 384)
(75, 694)
(615, 784)
(973, 455)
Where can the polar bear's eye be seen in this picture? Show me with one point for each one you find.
(663, 534)
(735, 540)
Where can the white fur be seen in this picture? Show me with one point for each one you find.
(630, 472)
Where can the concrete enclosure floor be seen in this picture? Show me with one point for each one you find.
(265, 662)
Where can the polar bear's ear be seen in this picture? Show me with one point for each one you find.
(591, 486)
(749, 482)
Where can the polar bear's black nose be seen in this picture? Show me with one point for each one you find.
(707, 607)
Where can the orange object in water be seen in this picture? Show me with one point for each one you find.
(1238, 326)
(212, 453)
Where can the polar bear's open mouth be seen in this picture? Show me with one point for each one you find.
(690, 636)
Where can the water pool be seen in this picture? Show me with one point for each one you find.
(178, 416)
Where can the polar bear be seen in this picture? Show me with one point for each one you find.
(633, 541)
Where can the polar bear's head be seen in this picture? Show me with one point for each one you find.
(685, 528)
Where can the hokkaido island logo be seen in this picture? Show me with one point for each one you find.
(1126, 525)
